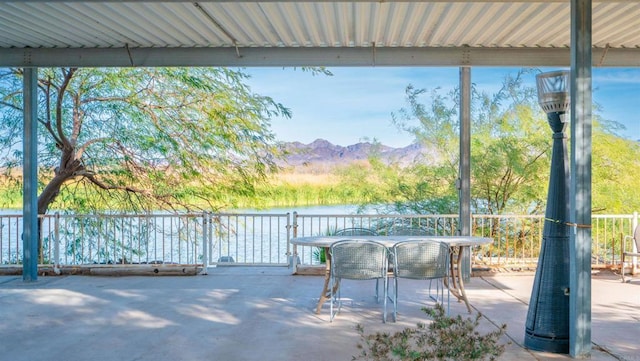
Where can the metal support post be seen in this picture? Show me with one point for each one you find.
(580, 251)
(30, 177)
(464, 180)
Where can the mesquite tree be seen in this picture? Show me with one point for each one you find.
(128, 139)
(509, 146)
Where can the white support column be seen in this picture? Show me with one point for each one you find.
(580, 187)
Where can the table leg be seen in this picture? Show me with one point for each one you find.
(457, 284)
(326, 295)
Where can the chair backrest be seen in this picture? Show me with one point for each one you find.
(355, 231)
(358, 259)
(407, 231)
(421, 259)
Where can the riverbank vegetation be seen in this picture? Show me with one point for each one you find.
(286, 189)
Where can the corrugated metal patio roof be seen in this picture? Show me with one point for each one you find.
(245, 33)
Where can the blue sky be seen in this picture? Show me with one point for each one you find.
(355, 104)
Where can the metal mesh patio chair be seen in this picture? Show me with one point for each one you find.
(361, 231)
(357, 260)
(421, 260)
(633, 253)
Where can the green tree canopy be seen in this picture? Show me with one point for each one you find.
(615, 166)
(510, 154)
(509, 147)
(141, 138)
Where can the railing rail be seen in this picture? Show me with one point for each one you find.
(263, 238)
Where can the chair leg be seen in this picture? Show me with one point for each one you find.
(331, 300)
(448, 298)
(339, 300)
(384, 307)
(430, 287)
(395, 299)
(622, 269)
(442, 289)
(334, 298)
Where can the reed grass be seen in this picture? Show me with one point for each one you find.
(281, 190)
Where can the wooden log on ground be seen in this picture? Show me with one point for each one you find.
(144, 270)
(311, 270)
(110, 270)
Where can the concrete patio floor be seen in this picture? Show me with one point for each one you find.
(242, 313)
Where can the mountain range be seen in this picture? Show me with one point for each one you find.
(323, 154)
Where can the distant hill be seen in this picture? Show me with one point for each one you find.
(322, 154)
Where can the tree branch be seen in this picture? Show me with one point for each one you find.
(80, 150)
(9, 105)
(92, 178)
(67, 79)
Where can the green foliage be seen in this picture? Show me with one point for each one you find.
(444, 338)
(319, 255)
(10, 193)
(509, 151)
(142, 138)
(510, 154)
(615, 181)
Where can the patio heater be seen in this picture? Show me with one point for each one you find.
(547, 326)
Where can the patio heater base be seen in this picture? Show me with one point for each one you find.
(547, 327)
(541, 343)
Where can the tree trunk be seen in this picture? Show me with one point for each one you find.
(68, 170)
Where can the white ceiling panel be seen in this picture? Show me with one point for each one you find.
(483, 32)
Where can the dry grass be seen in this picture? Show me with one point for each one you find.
(304, 179)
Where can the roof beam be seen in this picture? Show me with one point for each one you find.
(247, 57)
(309, 1)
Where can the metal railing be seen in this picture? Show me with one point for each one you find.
(250, 239)
(263, 239)
(517, 238)
(192, 238)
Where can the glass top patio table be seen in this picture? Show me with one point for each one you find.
(457, 244)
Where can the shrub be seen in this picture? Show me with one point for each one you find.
(445, 338)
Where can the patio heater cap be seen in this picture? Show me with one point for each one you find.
(553, 91)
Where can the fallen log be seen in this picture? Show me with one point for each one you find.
(118, 270)
(311, 270)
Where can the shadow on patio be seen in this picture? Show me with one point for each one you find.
(243, 313)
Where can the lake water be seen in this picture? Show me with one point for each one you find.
(258, 237)
(320, 210)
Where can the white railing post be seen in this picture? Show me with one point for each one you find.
(634, 260)
(294, 257)
(56, 244)
(206, 229)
